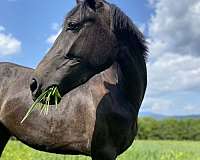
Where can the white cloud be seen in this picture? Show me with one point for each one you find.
(174, 45)
(55, 27)
(8, 43)
(175, 27)
(2, 29)
(51, 39)
(170, 106)
(157, 105)
(189, 109)
(173, 72)
(152, 2)
(174, 64)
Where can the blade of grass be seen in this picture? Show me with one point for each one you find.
(48, 98)
(54, 90)
(56, 101)
(58, 93)
(42, 109)
(33, 106)
(45, 97)
(47, 102)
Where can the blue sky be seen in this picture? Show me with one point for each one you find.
(28, 28)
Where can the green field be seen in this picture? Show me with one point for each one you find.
(141, 150)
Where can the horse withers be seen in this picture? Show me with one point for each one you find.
(98, 65)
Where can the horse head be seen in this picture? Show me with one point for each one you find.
(86, 46)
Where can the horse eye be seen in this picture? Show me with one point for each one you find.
(72, 57)
(69, 56)
(73, 26)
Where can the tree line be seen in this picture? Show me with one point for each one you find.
(168, 129)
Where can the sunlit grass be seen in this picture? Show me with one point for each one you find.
(141, 150)
(43, 101)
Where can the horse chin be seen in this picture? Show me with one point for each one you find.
(65, 89)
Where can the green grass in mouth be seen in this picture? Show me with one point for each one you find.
(43, 101)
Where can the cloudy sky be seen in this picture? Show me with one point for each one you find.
(28, 29)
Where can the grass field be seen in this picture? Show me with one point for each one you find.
(141, 150)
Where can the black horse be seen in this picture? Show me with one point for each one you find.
(98, 65)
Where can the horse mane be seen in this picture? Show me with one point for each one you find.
(127, 32)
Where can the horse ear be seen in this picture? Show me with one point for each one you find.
(79, 1)
(94, 4)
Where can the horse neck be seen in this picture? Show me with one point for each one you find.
(131, 72)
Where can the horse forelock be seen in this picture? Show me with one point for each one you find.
(80, 7)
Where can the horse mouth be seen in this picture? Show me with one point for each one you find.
(50, 96)
(51, 101)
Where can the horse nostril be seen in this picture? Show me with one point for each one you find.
(33, 85)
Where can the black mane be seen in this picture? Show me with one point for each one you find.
(128, 33)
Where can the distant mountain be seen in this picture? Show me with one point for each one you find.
(152, 115)
(161, 117)
(186, 117)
